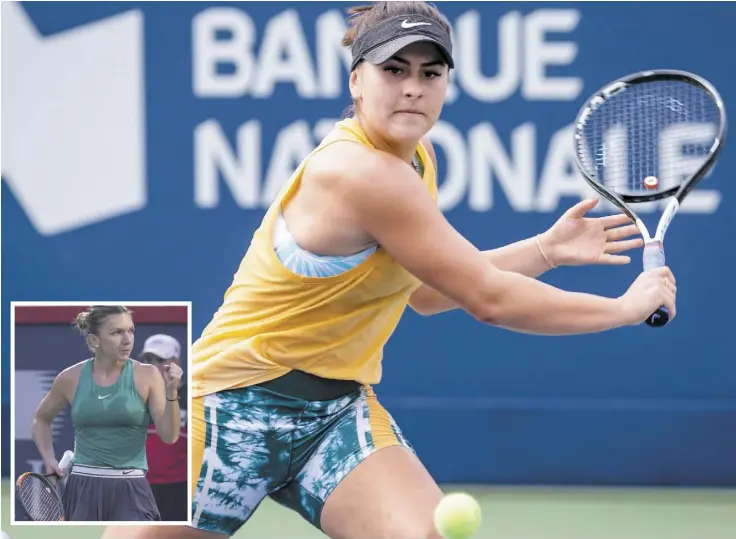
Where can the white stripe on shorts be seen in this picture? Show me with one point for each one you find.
(362, 423)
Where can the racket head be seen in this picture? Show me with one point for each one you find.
(39, 498)
(639, 126)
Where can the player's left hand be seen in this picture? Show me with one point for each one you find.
(576, 240)
(172, 379)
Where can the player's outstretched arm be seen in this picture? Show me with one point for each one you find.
(574, 240)
(388, 202)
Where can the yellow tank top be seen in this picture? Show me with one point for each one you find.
(272, 320)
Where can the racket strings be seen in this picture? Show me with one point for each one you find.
(39, 500)
(664, 129)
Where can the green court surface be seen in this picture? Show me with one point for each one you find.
(513, 513)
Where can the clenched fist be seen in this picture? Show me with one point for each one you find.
(649, 292)
(172, 380)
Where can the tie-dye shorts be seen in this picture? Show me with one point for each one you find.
(251, 443)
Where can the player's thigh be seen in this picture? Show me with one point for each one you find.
(158, 532)
(389, 495)
(360, 478)
(237, 457)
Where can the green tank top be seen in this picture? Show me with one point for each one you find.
(110, 423)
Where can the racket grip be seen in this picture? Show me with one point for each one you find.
(653, 259)
(66, 461)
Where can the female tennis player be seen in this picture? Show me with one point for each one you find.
(111, 398)
(283, 373)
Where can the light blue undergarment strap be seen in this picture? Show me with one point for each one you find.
(306, 264)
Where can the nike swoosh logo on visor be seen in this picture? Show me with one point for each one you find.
(407, 24)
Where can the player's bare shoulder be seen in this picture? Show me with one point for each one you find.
(352, 170)
(71, 373)
(340, 162)
(65, 383)
(339, 177)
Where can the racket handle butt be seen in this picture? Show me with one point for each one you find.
(66, 461)
(659, 318)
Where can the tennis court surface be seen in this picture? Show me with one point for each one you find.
(513, 513)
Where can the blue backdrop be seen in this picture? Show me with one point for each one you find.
(147, 140)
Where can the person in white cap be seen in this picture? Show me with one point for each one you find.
(167, 464)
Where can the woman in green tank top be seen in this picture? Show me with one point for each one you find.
(113, 398)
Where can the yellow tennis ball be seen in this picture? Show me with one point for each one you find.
(457, 516)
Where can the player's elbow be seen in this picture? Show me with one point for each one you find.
(489, 304)
(422, 311)
(169, 438)
(41, 418)
(489, 314)
(422, 306)
(167, 435)
(39, 426)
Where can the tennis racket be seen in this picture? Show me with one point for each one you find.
(39, 497)
(646, 137)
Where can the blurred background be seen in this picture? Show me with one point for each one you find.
(142, 143)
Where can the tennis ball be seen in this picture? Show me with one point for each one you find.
(457, 516)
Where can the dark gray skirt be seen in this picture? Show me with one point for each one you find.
(92, 496)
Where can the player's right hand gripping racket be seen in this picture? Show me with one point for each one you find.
(39, 497)
(650, 136)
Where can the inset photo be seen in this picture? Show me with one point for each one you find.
(100, 408)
